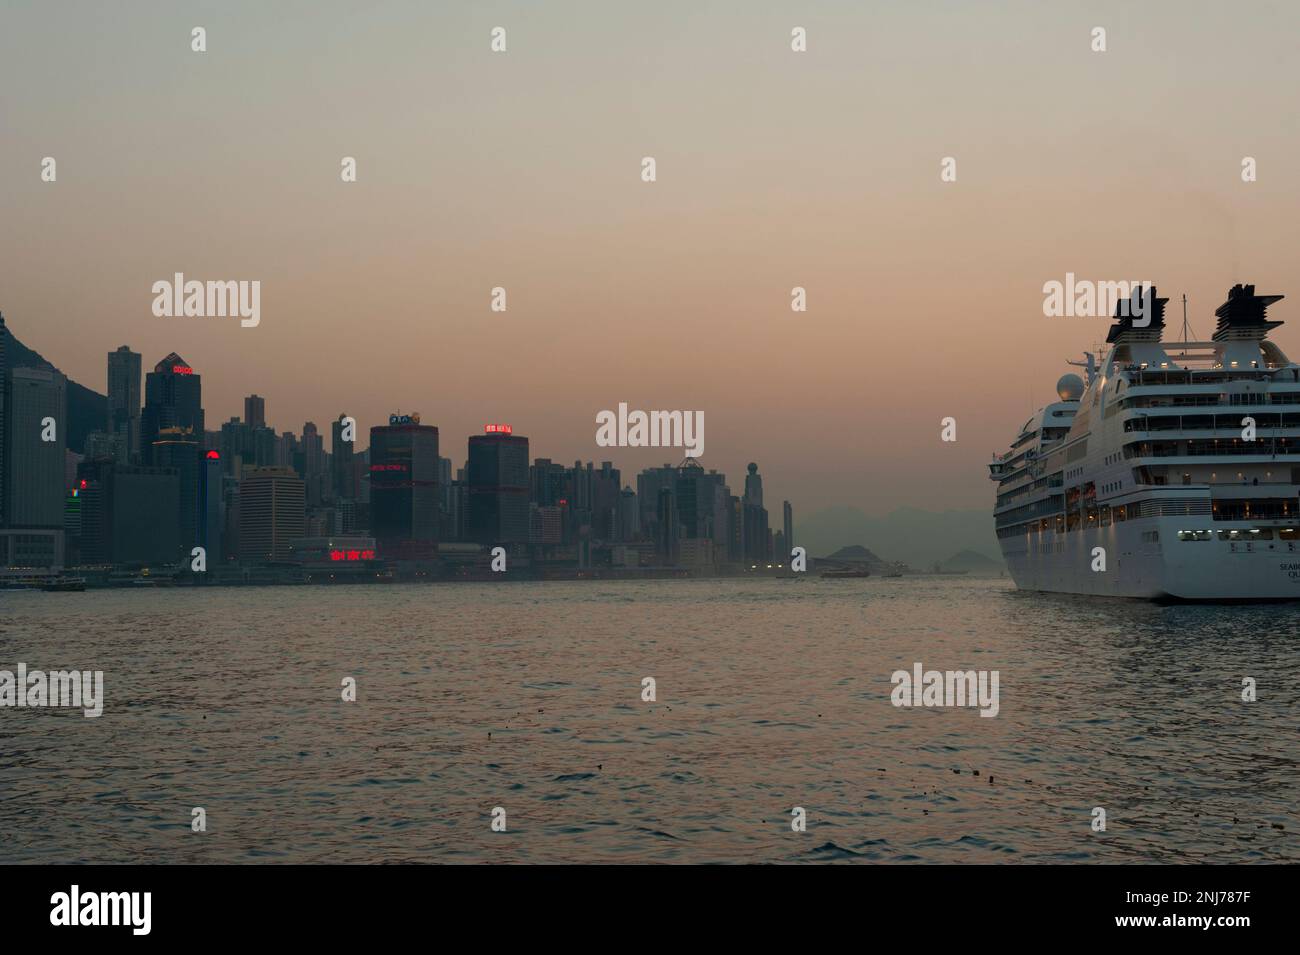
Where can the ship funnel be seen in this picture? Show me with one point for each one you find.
(1133, 327)
(1243, 315)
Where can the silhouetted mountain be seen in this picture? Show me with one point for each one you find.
(855, 552)
(915, 537)
(87, 410)
(972, 562)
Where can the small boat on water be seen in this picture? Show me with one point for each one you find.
(64, 585)
(845, 574)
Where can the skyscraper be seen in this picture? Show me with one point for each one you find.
(341, 454)
(124, 402)
(212, 509)
(498, 486)
(178, 449)
(547, 480)
(404, 502)
(272, 512)
(314, 472)
(695, 493)
(128, 514)
(34, 482)
(755, 530)
(788, 525)
(255, 411)
(173, 398)
(606, 485)
(648, 485)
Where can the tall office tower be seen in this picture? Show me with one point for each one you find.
(754, 486)
(313, 450)
(233, 445)
(404, 500)
(788, 525)
(173, 398)
(36, 409)
(342, 474)
(212, 509)
(757, 540)
(755, 535)
(242, 446)
(606, 485)
(579, 489)
(272, 512)
(547, 481)
(124, 402)
(314, 470)
(128, 514)
(255, 411)
(178, 449)
(498, 486)
(4, 390)
(695, 492)
(648, 485)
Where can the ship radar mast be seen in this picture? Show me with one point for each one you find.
(1089, 365)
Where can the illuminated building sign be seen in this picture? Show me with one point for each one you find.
(497, 429)
(182, 370)
(351, 555)
(214, 456)
(396, 419)
(389, 467)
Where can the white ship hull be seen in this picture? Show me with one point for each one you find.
(1167, 568)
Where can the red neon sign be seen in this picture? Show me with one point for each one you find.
(351, 555)
(497, 429)
(388, 467)
(214, 456)
(182, 370)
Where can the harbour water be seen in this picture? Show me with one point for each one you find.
(770, 694)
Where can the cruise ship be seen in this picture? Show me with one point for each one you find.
(1170, 473)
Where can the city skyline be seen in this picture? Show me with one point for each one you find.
(260, 403)
(118, 484)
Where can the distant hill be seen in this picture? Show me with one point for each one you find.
(855, 552)
(915, 537)
(87, 410)
(972, 562)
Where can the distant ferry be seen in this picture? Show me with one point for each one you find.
(845, 574)
(1172, 472)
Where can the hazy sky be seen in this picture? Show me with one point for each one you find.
(522, 170)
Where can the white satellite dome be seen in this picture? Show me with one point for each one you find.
(1069, 387)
